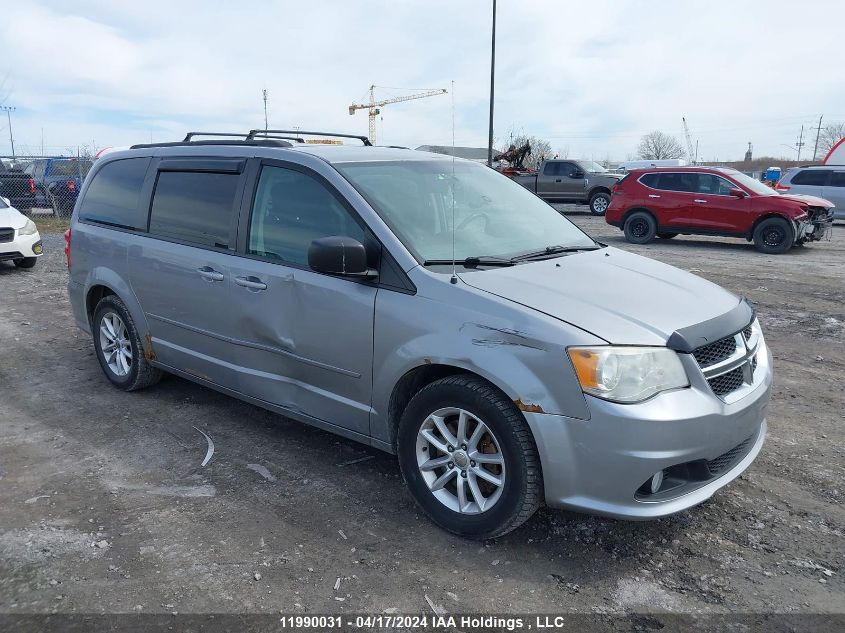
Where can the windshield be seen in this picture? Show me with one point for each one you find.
(493, 216)
(592, 166)
(750, 183)
(3, 204)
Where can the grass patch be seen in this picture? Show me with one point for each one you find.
(50, 224)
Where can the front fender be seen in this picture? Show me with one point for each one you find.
(521, 352)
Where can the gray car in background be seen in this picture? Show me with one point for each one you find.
(824, 181)
(428, 307)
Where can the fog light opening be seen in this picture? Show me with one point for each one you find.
(656, 482)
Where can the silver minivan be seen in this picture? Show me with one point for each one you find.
(426, 306)
(823, 181)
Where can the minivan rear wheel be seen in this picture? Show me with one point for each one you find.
(469, 458)
(119, 348)
(640, 227)
(773, 236)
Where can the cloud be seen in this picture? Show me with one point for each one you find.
(592, 77)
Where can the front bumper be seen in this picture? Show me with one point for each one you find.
(599, 465)
(21, 246)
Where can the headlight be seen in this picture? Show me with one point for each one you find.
(28, 229)
(627, 374)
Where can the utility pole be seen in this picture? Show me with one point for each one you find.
(800, 144)
(9, 110)
(818, 133)
(492, 85)
(265, 108)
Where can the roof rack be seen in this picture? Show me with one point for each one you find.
(253, 133)
(264, 138)
(259, 142)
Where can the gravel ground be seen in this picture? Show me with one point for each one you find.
(104, 507)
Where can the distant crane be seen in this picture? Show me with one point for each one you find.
(691, 153)
(373, 107)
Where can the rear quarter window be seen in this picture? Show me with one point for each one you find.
(112, 197)
(649, 180)
(814, 177)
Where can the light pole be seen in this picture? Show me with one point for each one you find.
(9, 110)
(492, 84)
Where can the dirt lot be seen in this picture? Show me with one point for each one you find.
(104, 506)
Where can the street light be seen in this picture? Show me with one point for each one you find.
(492, 77)
(9, 110)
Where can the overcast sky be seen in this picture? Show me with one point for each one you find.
(591, 77)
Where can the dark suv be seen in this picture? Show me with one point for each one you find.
(666, 202)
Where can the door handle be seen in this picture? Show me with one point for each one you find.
(557, 180)
(209, 274)
(700, 201)
(652, 195)
(253, 283)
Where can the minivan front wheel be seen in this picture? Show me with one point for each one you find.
(469, 458)
(640, 228)
(119, 348)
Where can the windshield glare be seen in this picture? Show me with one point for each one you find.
(493, 216)
(592, 166)
(750, 183)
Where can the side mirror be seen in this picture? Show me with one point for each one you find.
(736, 192)
(576, 174)
(7, 201)
(339, 255)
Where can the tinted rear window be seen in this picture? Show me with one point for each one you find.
(817, 177)
(681, 181)
(112, 197)
(649, 180)
(837, 179)
(194, 207)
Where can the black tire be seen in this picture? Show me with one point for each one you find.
(522, 490)
(667, 236)
(25, 262)
(773, 236)
(141, 374)
(599, 203)
(640, 227)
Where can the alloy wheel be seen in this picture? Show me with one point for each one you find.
(460, 460)
(115, 344)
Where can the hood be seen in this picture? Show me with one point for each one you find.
(623, 298)
(812, 201)
(12, 218)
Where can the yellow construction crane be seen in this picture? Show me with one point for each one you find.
(373, 106)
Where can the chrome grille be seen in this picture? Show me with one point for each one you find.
(713, 353)
(729, 363)
(726, 383)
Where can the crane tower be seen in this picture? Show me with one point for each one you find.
(373, 107)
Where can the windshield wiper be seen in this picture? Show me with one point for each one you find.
(551, 251)
(471, 262)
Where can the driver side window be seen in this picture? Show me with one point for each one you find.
(290, 210)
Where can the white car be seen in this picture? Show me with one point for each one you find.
(19, 238)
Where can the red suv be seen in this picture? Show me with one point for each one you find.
(665, 202)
